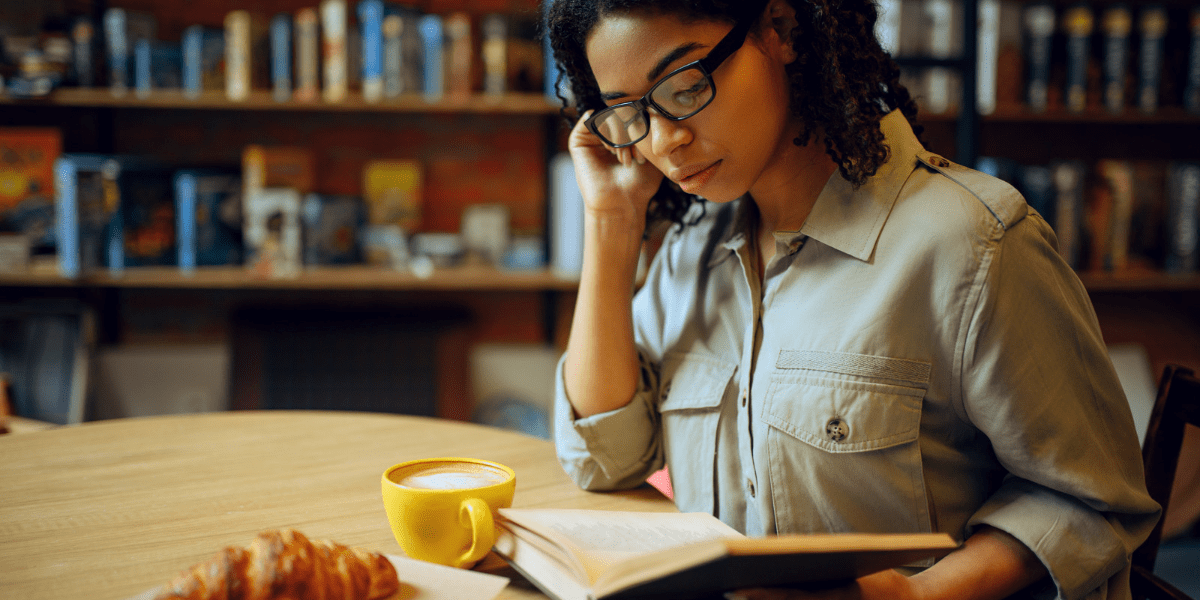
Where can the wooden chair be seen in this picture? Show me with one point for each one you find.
(1176, 406)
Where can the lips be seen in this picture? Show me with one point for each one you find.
(692, 178)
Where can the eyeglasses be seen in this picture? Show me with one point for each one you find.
(681, 94)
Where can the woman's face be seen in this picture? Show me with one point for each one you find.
(723, 151)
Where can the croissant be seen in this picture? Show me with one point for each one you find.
(284, 564)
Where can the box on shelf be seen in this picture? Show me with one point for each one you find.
(331, 226)
(272, 232)
(209, 213)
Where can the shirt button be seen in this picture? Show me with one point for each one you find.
(837, 430)
(939, 161)
(750, 487)
(745, 396)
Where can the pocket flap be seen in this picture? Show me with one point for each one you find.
(694, 382)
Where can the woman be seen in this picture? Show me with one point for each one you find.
(849, 333)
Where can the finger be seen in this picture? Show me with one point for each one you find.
(637, 155)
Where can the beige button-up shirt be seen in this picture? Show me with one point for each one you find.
(917, 358)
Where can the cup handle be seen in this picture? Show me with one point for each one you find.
(476, 514)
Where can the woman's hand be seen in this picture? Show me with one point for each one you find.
(884, 585)
(613, 181)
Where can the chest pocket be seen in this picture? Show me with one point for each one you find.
(843, 442)
(690, 397)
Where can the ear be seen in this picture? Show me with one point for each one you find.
(782, 18)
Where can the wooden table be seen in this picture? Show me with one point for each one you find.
(112, 508)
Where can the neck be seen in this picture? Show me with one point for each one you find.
(787, 190)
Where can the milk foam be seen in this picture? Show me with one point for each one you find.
(449, 477)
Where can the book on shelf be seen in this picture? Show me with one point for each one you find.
(1148, 214)
(1110, 210)
(157, 66)
(370, 24)
(573, 554)
(940, 83)
(433, 53)
(393, 192)
(209, 218)
(1038, 20)
(566, 218)
(203, 58)
(1191, 90)
(281, 57)
(334, 61)
(1183, 218)
(1078, 23)
(247, 45)
(271, 221)
(458, 55)
(1070, 181)
(83, 41)
(1116, 24)
(887, 26)
(1152, 30)
(122, 30)
(330, 225)
(988, 57)
(27, 187)
(147, 208)
(494, 52)
(1036, 184)
(308, 50)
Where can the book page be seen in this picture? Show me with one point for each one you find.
(600, 539)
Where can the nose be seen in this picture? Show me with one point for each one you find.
(667, 135)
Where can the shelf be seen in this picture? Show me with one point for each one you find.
(1169, 115)
(520, 103)
(466, 278)
(1140, 280)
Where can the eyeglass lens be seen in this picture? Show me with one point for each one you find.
(679, 96)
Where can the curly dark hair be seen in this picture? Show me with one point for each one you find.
(842, 81)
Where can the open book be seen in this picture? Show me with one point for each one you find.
(595, 555)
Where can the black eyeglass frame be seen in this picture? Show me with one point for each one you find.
(725, 48)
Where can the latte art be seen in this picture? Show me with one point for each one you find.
(457, 476)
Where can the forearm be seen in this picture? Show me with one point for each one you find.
(990, 565)
(601, 368)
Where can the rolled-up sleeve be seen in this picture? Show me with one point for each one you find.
(618, 449)
(1037, 381)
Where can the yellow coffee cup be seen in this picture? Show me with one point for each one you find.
(442, 510)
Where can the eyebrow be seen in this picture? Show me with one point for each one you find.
(659, 68)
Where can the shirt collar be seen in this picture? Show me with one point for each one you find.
(849, 219)
(844, 218)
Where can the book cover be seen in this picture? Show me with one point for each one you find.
(203, 58)
(1116, 23)
(1078, 22)
(494, 31)
(565, 218)
(281, 57)
(272, 232)
(278, 166)
(308, 51)
(27, 184)
(247, 54)
(334, 63)
(1036, 184)
(433, 52)
(393, 191)
(1039, 22)
(1152, 30)
(370, 24)
(83, 41)
(459, 52)
(589, 554)
(87, 214)
(330, 228)
(988, 57)
(1148, 214)
(1070, 180)
(147, 207)
(1111, 207)
(208, 213)
(1183, 218)
(122, 30)
(1191, 92)
(939, 87)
